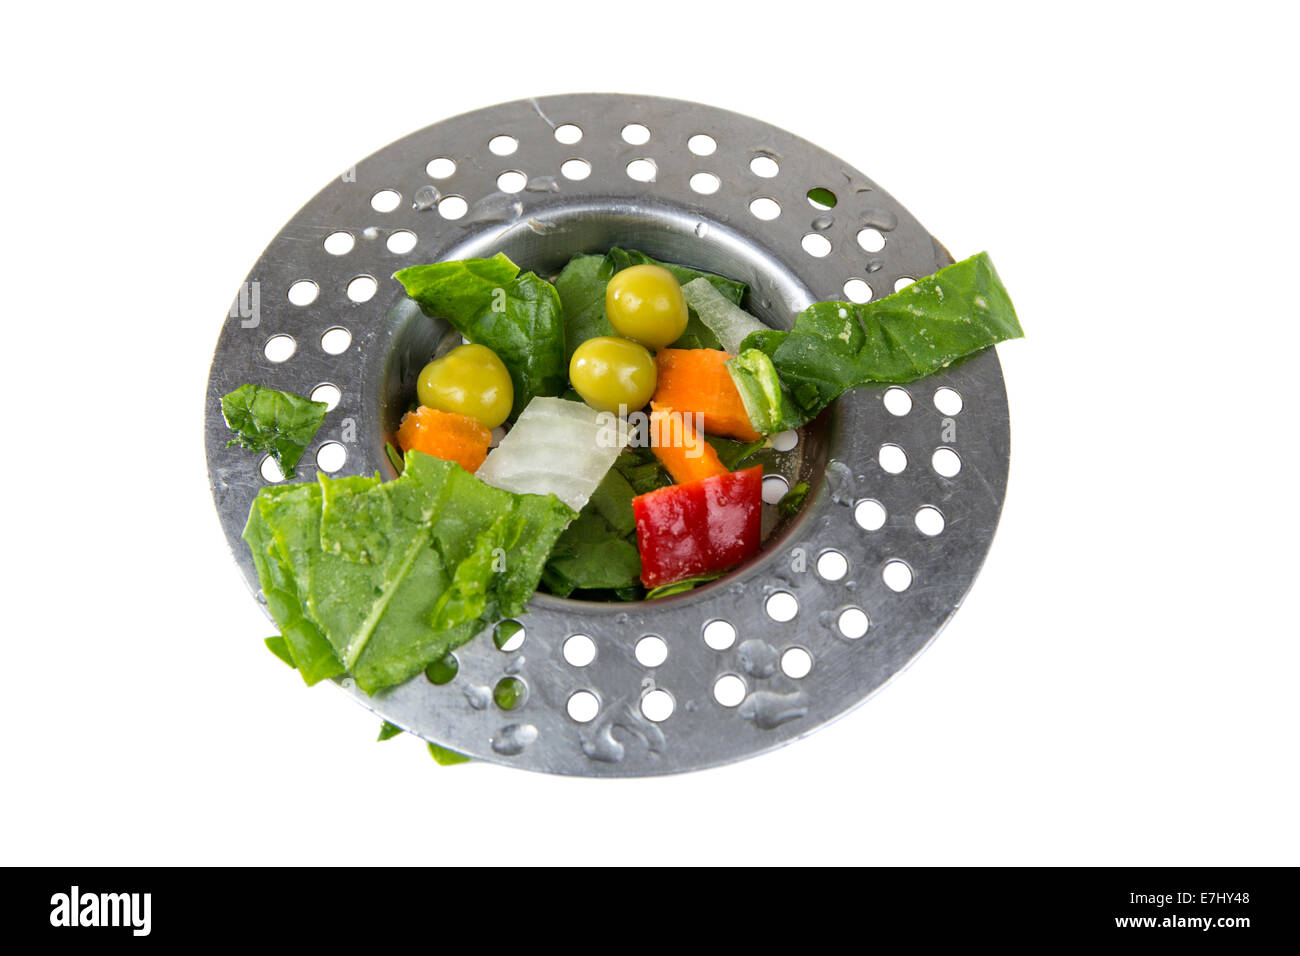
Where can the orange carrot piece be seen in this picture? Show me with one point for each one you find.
(697, 380)
(445, 435)
(682, 450)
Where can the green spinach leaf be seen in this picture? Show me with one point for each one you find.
(268, 420)
(961, 309)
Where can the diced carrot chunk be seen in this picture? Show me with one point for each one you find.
(682, 450)
(445, 435)
(697, 380)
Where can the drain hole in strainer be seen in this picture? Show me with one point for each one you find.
(765, 209)
(401, 242)
(386, 200)
(443, 671)
(362, 288)
(832, 565)
(335, 341)
(897, 401)
(729, 690)
(774, 489)
(440, 168)
(330, 457)
(948, 401)
(701, 144)
(897, 575)
(509, 636)
(651, 651)
(853, 623)
(579, 650)
(642, 170)
(871, 240)
(634, 134)
(575, 169)
(327, 393)
(279, 348)
(339, 243)
(502, 145)
(568, 133)
(303, 292)
(270, 471)
(796, 663)
(892, 459)
(657, 705)
(583, 706)
(509, 693)
(869, 514)
(782, 606)
(946, 462)
(719, 635)
(819, 197)
(764, 166)
(816, 245)
(857, 290)
(929, 521)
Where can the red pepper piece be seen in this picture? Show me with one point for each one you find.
(701, 527)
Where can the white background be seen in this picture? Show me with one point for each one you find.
(1121, 685)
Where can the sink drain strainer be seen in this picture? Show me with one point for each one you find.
(907, 483)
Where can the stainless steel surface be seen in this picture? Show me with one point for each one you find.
(541, 226)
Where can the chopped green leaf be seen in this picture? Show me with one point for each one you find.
(281, 424)
(444, 757)
(388, 576)
(679, 587)
(516, 315)
(389, 731)
(834, 346)
(733, 453)
(280, 648)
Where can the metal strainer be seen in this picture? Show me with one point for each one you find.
(907, 483)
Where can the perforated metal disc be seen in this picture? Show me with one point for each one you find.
(648, 182)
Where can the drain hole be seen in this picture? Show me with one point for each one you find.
(329, 394)
(279, 348)
(575, 169)
(819, 197)
(270, 470)
(764, 166)
(816, 245)
(511, 181)
(946, 462)
(701, 144)
(579, 650)
(502, 145)
(385, 200)
(892, 459)
(853, 623)
(634, 134)
(871, 240)
(729, 690)
(929, 521)
(651, 651)
(642, 170)
(440, 168)
(832, 565)
(443, 671)
(719, 635)
(774, 489)
(782, 606)
(583, 706)
(509, 693)
(362, 288)
(897, 575)
(785, 441)
(705, 183)
(330, 457)
(796, 663)
(897, 401)
(335, 341)
(765, 209)
(902, 283)
(509, 636)
(452, 207)
(339, 243)
(568, 134)
(303, 292)
(401, 242)
(948, 401)
(657, 705)
(869, 514)
(857, 290)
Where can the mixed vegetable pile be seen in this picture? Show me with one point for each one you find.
(636, 399)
